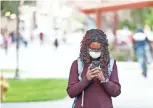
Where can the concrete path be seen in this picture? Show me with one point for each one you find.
(136, 93)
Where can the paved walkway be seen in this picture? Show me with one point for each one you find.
(136, 93)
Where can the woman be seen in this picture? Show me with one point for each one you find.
(96, 87)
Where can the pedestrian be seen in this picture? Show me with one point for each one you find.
(141, 46)
(149, 34)
(41, 36)
(56, 43)
(93, 79)
(6, 39)
(12, 35)
(1, 41)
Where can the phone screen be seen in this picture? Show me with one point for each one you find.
(95, 64)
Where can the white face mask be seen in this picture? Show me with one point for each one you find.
(94, 54)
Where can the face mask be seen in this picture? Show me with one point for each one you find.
(94, 55)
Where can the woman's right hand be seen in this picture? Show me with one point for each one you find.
(91, 73)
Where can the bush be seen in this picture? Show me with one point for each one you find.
(122, 56)
(119, 56)
(134, 57)
(127, 23)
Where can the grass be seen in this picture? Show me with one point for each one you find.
(9, 70)
(35, 90)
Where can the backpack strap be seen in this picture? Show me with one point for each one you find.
(80, 67)
(110, 66)
(80, 70)
(75, 100)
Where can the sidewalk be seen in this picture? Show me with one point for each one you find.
(136, 93)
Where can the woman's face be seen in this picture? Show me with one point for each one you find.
(95, 50)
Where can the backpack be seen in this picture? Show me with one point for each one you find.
(80, 70)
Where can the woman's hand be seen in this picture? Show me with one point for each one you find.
(91, 73)
(100, 75)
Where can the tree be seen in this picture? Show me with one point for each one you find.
(140, 17)
(9, 6)
(143, 16)
(12, 6)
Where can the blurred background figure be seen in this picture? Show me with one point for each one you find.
(56, 43)
(7, 39)
(12, 35)
(149, 33)
(1, 41)
(124, 43)
(142, 49)
(41, 37)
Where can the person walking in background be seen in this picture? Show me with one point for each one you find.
(6, 44)
(12, 35)
(7, 41)
(93, 78)
(41, 36)
(141, 48)
(1, 41)
(56, 43)
(149, 34)
(123, 39)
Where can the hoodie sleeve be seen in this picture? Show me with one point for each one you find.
(113, 87)
(75, 87)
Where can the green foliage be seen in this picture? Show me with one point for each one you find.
(135, 57)
(122, 56)
(30, 2)
(142, 16)
(130, 25)
(119, 56)
(12, 6)
(9, 6)
(149, 17)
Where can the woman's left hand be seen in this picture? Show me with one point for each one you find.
(100, 75)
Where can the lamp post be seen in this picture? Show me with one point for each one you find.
(21, 2)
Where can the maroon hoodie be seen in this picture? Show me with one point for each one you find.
(96, 95)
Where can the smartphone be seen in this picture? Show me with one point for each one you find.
(95, 64)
